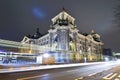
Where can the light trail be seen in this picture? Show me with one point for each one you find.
(32, 77)
(19, 45)
(47, 67)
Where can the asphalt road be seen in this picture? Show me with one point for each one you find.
(60, 74)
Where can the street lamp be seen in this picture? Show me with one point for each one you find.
(46, 55)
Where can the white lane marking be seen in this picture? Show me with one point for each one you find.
(107, 75)
(119, 76)
(95, 73)
(116, 79)
(110, 76)
(113, 76)
(92, 74)
(79, 78)
(70, 71)
(32, 77)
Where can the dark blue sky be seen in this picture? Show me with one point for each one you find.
(22, 17)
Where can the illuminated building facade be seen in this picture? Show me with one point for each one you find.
(63, 35)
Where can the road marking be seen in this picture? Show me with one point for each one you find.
(81, 78)
(119, 76)
(71, 71)
(110, 76)
(116, 79)
(113, 75)
(32, 77)
(92, 74)
(107, 75)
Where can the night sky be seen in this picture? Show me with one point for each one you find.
(21, 17)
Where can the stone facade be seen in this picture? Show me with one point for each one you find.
(64, 36)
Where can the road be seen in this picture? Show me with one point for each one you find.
(71, 73)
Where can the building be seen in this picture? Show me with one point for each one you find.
(117, 55)
(107, 52)
(63, 36)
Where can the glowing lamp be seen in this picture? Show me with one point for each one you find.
(46, 55)
(106, 59)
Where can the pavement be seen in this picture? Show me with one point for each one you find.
(85, 72)
(112, 73)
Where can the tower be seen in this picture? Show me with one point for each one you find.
(62, 26)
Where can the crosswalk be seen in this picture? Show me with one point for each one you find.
(110, 76)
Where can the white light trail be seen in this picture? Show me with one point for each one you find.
(48, 67)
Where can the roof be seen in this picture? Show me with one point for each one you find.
(63, 15)
(36, 35)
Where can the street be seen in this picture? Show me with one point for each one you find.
(71, 73)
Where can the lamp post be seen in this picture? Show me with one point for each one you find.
(85, 55)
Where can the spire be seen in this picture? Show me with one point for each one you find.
(92, 31)
(64, 9)
(37, 30)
